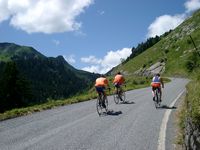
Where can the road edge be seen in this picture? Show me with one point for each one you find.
(163, 127)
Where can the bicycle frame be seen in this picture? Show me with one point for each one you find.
(99, 103)
(119, 95)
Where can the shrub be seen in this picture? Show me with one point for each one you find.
(192, 62)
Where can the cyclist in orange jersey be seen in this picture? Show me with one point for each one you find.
(100, 85)
(118, 81)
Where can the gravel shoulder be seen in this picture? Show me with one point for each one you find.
(174, 133)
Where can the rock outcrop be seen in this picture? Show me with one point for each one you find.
(155, 68)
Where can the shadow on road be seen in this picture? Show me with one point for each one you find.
(127, 102)
(166, 107)
(114, 113)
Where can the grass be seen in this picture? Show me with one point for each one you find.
(180, 121)
(191, 105)
(193, 101)
(132, 82)
(48, 105)
(177, 49)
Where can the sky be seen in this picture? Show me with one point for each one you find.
(92, 35)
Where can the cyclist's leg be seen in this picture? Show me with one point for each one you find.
(116, 88)
(120, 92)
(153, 92)
(119, 88)
(160, 90)
(99, 92)
(104, 97)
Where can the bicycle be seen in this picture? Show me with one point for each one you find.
(119, 95)
(99, 104)
(157, 100)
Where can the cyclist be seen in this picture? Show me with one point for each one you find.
(118, 81)
(100, 85)
(157, 81)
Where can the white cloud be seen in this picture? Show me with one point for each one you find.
(91, 60)
(101, 12)
(192, 5)
(4, 12)
(113, 58)
(110, 60)
(56, 42)
(164, 23)
(92, 69)
(70, 59)
(44, 16)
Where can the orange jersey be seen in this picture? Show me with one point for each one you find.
(155, 85)
(119, 79)
(101, 81)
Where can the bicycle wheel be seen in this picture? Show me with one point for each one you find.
(122, 96)
(99, 106)
(157, 98)
(106, 104)
(116, 98)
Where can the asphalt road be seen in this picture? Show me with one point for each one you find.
(134, 125)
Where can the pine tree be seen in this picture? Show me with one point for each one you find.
(15, 89)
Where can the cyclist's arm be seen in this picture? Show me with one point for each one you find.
(162, 82)
(124, 82)
(107, 84)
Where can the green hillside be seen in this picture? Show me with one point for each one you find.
(46, 77)
(10, 50)
(174, 50)
(179, 53)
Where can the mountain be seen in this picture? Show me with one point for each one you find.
(10, 50)
(173, 54)
(49, 78)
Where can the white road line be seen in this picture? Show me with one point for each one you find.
(163, 127)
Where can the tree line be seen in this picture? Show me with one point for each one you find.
(15, 90)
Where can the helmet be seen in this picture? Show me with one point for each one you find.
(102, 75)
(158, 74)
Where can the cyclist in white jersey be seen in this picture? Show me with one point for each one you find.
(156, 83)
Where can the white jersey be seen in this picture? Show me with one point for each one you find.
(156, 79)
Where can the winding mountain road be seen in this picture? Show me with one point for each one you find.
(135, 125)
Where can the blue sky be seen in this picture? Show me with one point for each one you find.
(92, 35)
